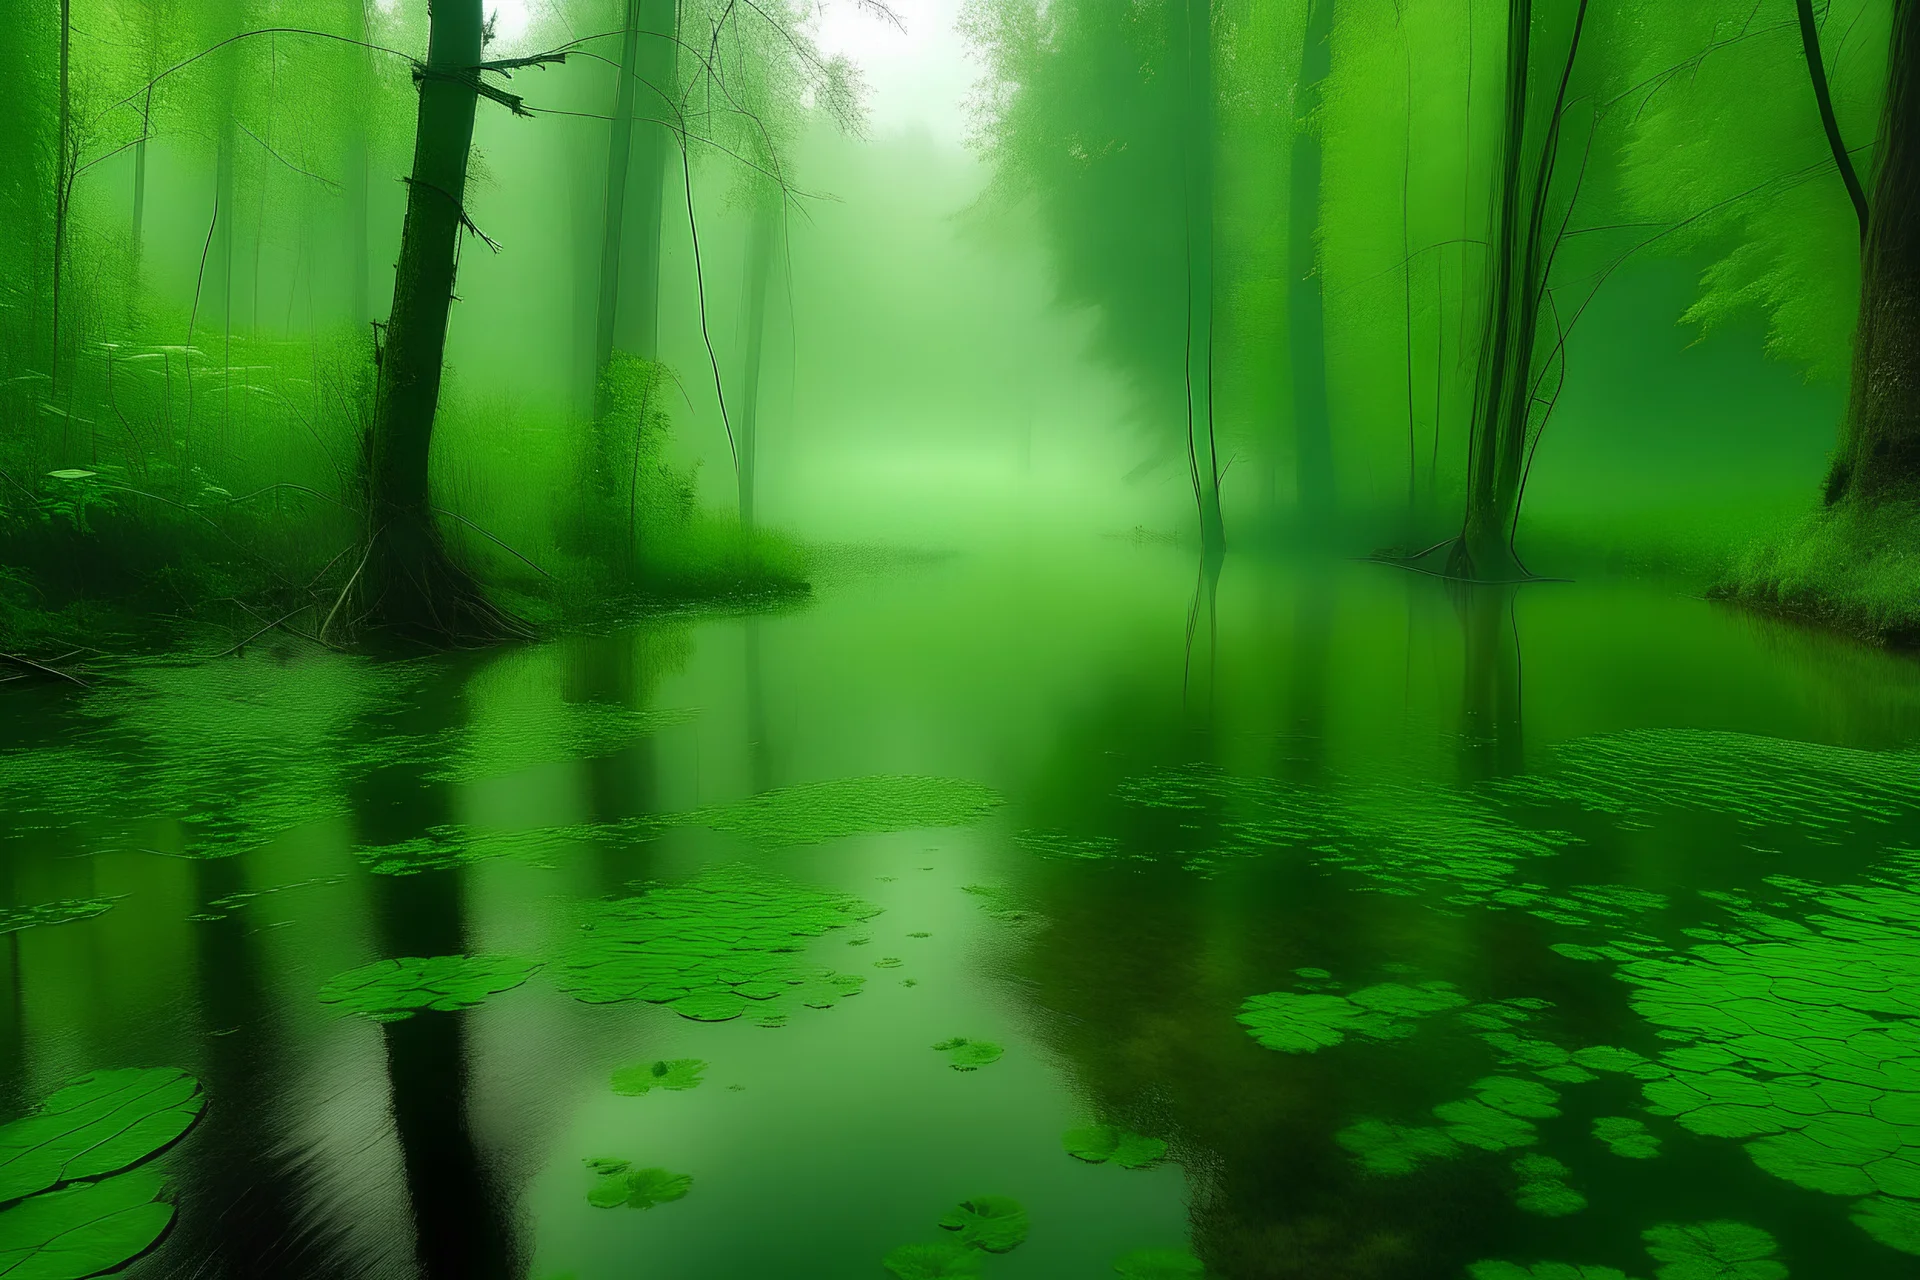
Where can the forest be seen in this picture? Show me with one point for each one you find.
(939, 639)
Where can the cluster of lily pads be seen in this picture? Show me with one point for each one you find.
(393, 990)
(618, 1184)
(969, 1055)
(721, 945)
(76, 1197)
(1698, 1251)
(1305, 1022)
(981, 1225)
(1100, 1143)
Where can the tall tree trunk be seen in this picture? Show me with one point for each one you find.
(1521, 248)
(63, 182)
(1197, 162)
(412, 583)
(760, 255)
(359, 263)
(636, 169)
(1306, 315)
(1879, 453)
(139, 230)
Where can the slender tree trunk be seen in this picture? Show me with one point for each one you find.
(139, 229)
(412, 584)
(636, 170)
(354, 179)
(1879, 453)
(1823, 99)
(1197, 159)
(63, 182)
(760, 256)
(1521, 248)
(1317, 494)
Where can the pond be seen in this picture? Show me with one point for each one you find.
(1049, 915)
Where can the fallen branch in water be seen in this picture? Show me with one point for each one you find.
(41, 667)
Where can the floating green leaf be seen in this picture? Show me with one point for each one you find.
(969, 1055)
(1894, 1223)
(390, 990)
(1306, 1022)
(1713, 1251)
(819, 811)
(1478, 1125)
(97, 1124)
(940, 1260)
(1524, 1098)
(638, 1188)
(1627, 1137)
(644, 1077)
(13, 919)
(1097, 1144)
(1159, 1264)
(1393, 1150)
(83, 1230)
(997, 1224)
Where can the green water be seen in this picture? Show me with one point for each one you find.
(1586, 853)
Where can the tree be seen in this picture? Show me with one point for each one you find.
(636, 166)
(411, 582)
(1306, 303)
(1878, 458)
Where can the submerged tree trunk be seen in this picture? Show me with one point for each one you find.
(761, 248)
(636, 167)
(1306, 314)
(1879, 454)
(1521, 247)
(412, 584)
(1197, 161)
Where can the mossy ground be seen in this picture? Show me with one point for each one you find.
(1852, 567)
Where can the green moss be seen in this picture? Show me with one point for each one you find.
(1854, 567)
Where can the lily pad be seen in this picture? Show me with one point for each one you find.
(713, 948)
(1478, 1125)
(819, 811)
(1894, 1223)
(1159, 1264)
(969, 1055)
(97, 1124)
(1543, 1187)
(1541, 1271)
(1627, 1137)
(390, 990)
(638, 1188)
(13, 919)
(1306, 1022)
(1527, 1099)
(85, 1229)
(941, 1260)
(675, 1074)
(1714, 1251)
(1394, 1150)
(997, 1224)
(1097, 1144)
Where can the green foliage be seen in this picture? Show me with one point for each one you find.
(675, 1075)
(996, 1224)
(1853, 567)
(393, 990)
(97, 1124)
(1713, 1251)
(969, 1055)
(1097, 1144)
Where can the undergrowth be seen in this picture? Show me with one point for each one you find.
(1853, 567)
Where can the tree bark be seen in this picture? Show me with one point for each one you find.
(636, 167)
(1879, 454)
(1521, 248)
(1306, 311)
(760, 257)
(413, 585)
(1197, 160)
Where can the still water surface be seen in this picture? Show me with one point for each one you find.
(1422, 931)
